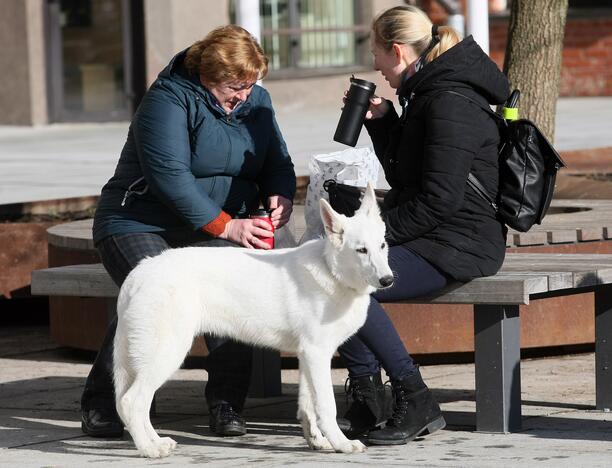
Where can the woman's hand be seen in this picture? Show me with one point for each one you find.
(281, 209)
(378, 107)
(244, 231)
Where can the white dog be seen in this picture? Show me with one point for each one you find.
(307, 300)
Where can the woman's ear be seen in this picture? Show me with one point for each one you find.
(404, 53)
(397, 51)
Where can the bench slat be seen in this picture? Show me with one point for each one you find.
(498, 289)
(556, 279)
(580, 278)
(530, 238)
(562, 236)
(74, 280)
(521, 275)
(93, 281)
(515, 256)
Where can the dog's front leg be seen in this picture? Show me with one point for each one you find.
(315, 365)
(307, 416)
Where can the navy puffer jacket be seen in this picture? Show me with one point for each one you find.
(185, 160)
(427, 155)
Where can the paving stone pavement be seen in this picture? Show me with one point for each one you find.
(75, 160)
(40, 386)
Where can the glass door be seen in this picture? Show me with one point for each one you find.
(89, 60)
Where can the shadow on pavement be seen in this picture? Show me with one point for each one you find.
(44, 413)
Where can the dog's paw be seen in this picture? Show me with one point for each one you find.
(150, 451)
(351, 446)
(159, 449)
(166, 445)
(319, 443)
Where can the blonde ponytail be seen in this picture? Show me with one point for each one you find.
(410, 25)
(448, 37)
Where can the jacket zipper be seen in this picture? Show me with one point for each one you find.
(130, 190)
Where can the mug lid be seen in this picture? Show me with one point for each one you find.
(260, 213)
(363, 83)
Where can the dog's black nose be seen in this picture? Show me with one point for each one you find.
(386, 281)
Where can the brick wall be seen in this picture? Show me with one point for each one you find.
(586, 69)
(587, 58)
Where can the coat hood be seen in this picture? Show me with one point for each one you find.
(177, 73)
(464, 65)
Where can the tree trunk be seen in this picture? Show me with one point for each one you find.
(533, 58)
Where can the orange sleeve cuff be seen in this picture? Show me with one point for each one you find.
(217, 226)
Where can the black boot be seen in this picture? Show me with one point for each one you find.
(415, 413)
(103, 422)
(368, 407)
(225, 421)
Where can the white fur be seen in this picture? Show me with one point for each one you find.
(306, 300)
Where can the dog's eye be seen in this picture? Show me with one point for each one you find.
(362, 250)
(383, 245)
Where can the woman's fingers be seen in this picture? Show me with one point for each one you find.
(281, 216)
(261, 232)
(254, 229)
(378, 108)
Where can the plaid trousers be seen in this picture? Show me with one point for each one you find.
(228, 363)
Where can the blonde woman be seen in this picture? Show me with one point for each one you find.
(438, 228)
(203, 150)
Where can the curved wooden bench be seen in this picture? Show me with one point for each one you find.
(568, 221)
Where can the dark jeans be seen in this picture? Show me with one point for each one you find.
(377, 342)
(228, 363)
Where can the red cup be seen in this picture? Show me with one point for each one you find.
(265, 215)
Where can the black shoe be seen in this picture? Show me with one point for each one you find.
(101, 422)
(368, 408)
(415, 413)
(224, 421)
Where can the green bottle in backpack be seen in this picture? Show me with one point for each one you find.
(510, 110)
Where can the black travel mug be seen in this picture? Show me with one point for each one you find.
(353, 114)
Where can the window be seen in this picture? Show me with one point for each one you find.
(318, 36)
(87, 56)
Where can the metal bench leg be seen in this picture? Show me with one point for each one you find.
(497, 350)
(603, 347)
(266, 374)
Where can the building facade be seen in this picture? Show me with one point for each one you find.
(91, 60)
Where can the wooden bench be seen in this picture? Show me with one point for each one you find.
(496, 301)
(92, 280)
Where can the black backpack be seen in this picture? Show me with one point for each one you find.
(528, 166)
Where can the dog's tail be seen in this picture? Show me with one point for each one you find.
(121, 375)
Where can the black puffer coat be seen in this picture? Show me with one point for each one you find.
(427, 155)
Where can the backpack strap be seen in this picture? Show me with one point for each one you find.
(473, 182)
(487, 109)
(472, 179)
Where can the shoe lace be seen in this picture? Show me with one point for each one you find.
(400, 396)
(403, 398)
(355, 390)
(227, 412)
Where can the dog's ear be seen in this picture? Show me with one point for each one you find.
(332, 222)
(369, 206)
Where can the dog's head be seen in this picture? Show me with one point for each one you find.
(358, 250)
